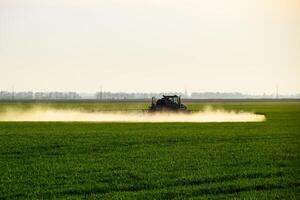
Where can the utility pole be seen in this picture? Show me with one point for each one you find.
(13, 93)
(101, 92)
(185, 92)
(276, 91)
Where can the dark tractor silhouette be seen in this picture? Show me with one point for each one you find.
(167, 103)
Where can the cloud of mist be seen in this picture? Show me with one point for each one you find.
(55, 115)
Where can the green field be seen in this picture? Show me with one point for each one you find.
(257, 160)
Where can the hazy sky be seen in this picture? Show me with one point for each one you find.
(248, 46)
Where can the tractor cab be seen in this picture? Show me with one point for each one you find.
(167, 103)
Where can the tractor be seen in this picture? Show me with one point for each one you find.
(171, 103)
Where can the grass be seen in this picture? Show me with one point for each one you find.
(153, 160)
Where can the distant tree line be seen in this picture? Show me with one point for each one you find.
(237, 95)
(5, 95)
(124, 95)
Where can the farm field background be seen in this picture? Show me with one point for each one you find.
(152, 160)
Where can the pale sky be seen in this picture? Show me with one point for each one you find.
(247, 46)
